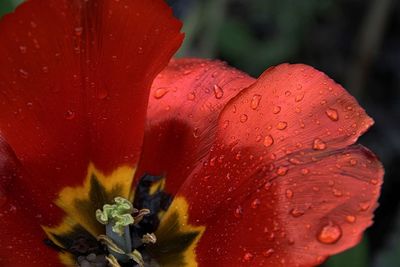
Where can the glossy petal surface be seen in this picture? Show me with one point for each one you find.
(279, 172)
(72, 91)
(74, 82)
(185, 101)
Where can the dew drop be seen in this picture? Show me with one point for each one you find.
(255, 203)
(218, 92)
(238, 212)
(364, 206)
(353, 162)
(305, 171)
(267, 186)
(160, 92)
(102, 94)
(248, 257)
(282, 170)
(225, 124)
(374, 181)
(318, 144)
(22, 49)
(281, 125)
(329, 234)
(78, 31)
(289, 194)
(24, 74)
(268, 141)
(243, 118)
(332, 114)
(69, 115)
(276, 109)
(295, 212)
(268, 253)
(350, 218)
(299, 97)
(255, 101)
(191, 96)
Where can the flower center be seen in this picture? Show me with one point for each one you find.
(128, 229)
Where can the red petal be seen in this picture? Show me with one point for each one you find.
(74, 82)
(185, 101)
(297, 219)
(293, 117)
(21, 242)
(22, 239)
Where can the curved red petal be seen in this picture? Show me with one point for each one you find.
(292, 116)
(185, 101)
(22, 240)
(74, 83)
(298, 219)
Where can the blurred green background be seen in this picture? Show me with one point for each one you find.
(356, 42)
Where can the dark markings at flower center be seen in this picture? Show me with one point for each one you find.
(88, 251)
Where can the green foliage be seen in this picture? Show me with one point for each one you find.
(355, 257)
(7, 6)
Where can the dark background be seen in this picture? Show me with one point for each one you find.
(356, 42)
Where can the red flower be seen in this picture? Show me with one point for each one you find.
(246, 172)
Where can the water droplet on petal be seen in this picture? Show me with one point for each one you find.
(22, 49)
(295, 212)
(255, 101)
(78, 31)
(69, 115)
(276, 109)
(350, 218)
(268, 141)
(248, 257)
(255, 203)
(160, 92)
(329, 234)
(364, 206)
(353, 162)
(243, 118)
(267, 186)
(102, 94)
(218, 92)
(282, 170)
(299, 97)
(225, 124)
(268, 253)
(318, 144)
(374, 181)
(289, 193)
(191, 96)
(238, 212)
(305, 171)
(332, 114)
(281, 125)
(24, 74)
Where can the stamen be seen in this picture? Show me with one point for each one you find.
(137, 257)
(112, 261)
(149, 238)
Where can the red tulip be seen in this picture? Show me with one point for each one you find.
(225, 170)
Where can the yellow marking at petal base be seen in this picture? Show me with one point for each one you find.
(121, 178)
(180, 207)
(67, 259)
(157, 186)
(66, 227)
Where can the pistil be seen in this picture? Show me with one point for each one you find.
(117, 218)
